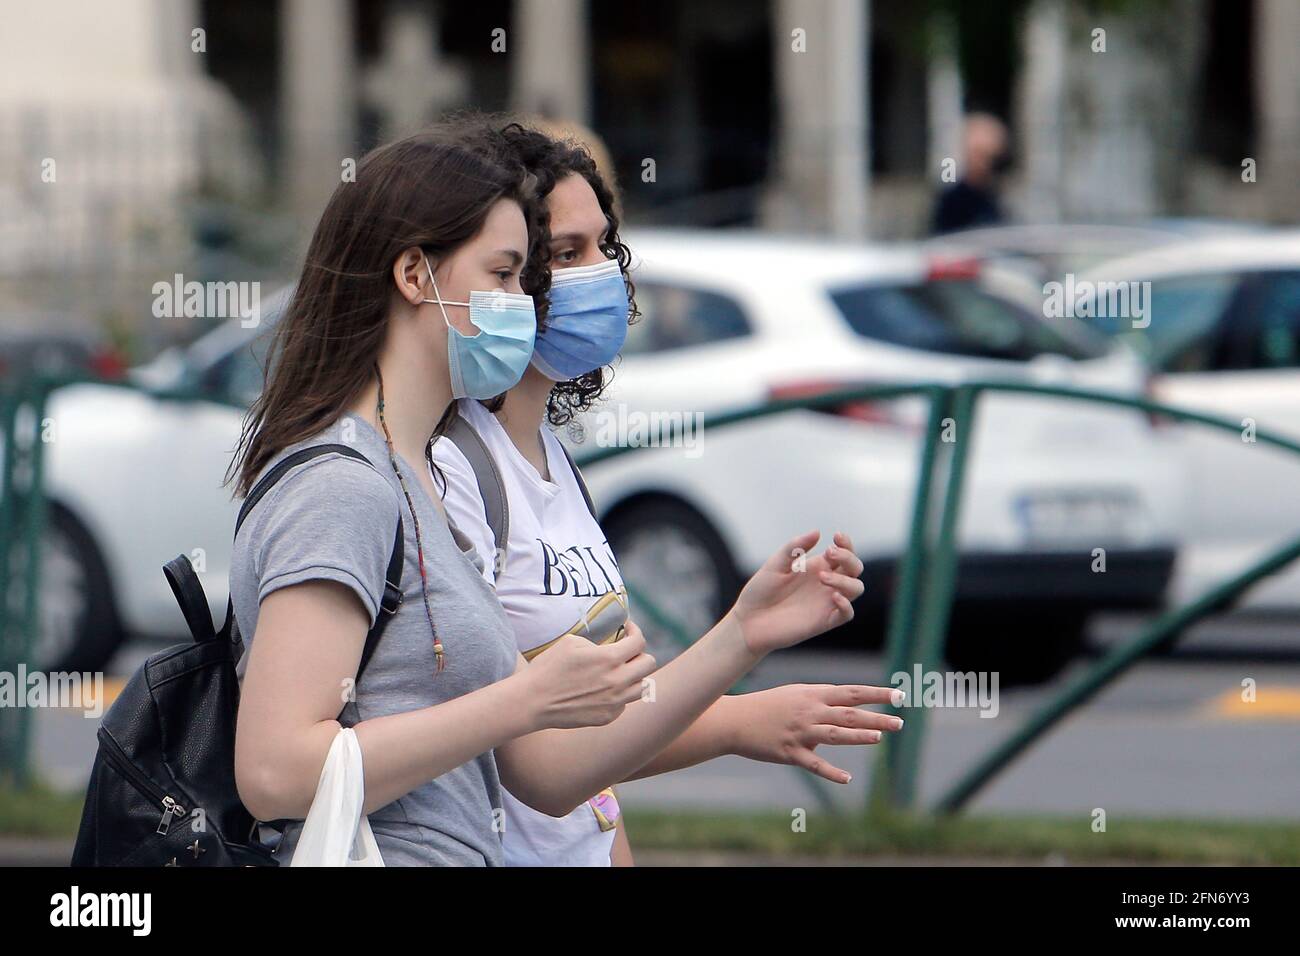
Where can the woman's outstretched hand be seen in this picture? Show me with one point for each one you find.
(787, 724)
(796, 595)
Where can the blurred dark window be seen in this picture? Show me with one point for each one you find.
(675, 317)
(1225, 111)
(244, 54)
(689, 85)
(1275, 335)
(237, 375)
(954, 318)
(1186, 330)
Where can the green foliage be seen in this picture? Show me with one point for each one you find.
(39, 810)
(1019, 838)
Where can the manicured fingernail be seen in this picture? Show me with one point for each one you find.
(848, 778)
(896, 698)
(898, 723)
(875, 735)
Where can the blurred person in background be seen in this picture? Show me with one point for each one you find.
(973, 199)
(591, 302)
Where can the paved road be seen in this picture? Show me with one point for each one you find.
(1172, 737)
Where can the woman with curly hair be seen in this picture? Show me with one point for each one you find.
(512, 489)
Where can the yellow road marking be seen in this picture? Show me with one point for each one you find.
(112, 687)
(1270, 703)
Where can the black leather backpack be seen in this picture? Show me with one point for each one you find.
(162, 787)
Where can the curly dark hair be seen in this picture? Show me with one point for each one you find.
(548, 160)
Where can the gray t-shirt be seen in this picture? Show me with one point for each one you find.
(334, 518)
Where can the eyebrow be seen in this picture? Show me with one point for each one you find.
(572, 236)
(512, 254)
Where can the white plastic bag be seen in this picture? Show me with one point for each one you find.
(335, 832)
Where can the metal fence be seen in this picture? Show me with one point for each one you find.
(922, 602)
(927, 572)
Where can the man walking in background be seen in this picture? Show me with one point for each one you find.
(973, 199)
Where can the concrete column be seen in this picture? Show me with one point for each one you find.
(173, 23)
(821, 164)
(318, 98)
(943, 99)
(549, 59)
(1277, 93)
(1040, 112)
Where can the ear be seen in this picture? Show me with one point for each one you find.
(411, 277)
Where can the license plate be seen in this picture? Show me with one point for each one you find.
(1077, 517)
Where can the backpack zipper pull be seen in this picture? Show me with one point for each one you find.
(170, 809)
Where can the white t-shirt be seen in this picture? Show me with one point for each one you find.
(559, 576)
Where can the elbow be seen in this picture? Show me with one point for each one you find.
(552, 801)
(558, 808)
(277, 772)
(528, 771)
(262, 789)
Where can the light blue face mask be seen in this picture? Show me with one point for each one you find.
(493, 361)
(586, 323)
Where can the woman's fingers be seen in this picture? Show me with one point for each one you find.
(860, 719)
(814, 764)
(627, 647)
(850, 587)
(632, 673)
(800, 544)
(842, 557)
(841, 612)
(844, 736)
(852, 695)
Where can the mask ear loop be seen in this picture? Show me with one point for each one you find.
(439, 301)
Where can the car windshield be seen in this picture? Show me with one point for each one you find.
(1182, 314)
(957, 318)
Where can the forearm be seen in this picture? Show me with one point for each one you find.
(571, 765)
(399, 752)
(710, 736)
(405, 751)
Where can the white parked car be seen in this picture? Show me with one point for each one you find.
(732, 320)
(729, 321)
(134, 480)
(1224, 338)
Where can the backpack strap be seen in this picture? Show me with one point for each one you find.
(487, 476)
(392, 597)
(491, 488)
(189, 595)
(586, 495)
(388, 605)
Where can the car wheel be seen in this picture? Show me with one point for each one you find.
(78, 628)
(672, 555)
(1028, 648)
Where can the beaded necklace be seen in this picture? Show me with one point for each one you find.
(438, 654)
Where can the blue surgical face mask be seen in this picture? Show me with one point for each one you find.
(493, 361)
(586, 322)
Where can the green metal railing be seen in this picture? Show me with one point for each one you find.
(22, 523)
(922, 602)
(927, 569)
